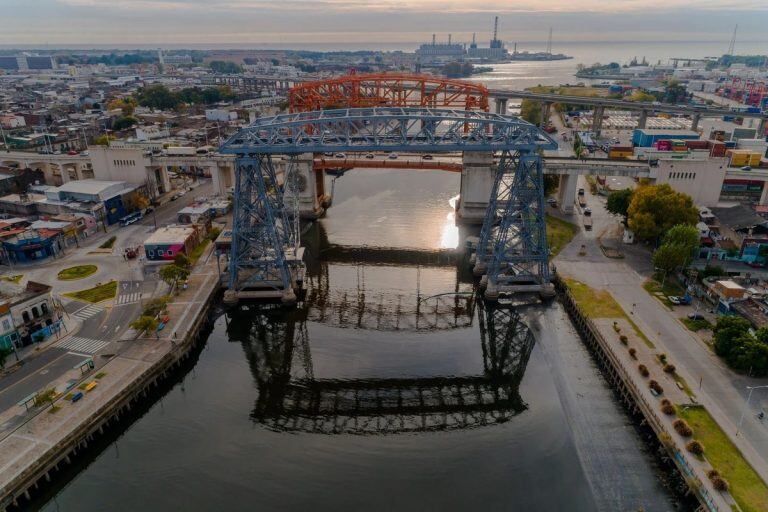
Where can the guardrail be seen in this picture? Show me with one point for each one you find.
(653, 420)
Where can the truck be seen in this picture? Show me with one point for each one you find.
(587, 223)
(582, 201)
(180, 151)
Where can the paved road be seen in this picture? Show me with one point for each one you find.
(722, 391)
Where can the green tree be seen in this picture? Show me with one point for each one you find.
(668, 257)
(4, 353)
(531, 111)
(121, 123)
(181, 260)
(172, 274)
(102, 140)
(551, 184)
(618, 202)
(654, 209)
(145, 324)
(727, 331)
(686, 237)
(157, 97)
(222, 66)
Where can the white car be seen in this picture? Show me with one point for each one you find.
(392, 156)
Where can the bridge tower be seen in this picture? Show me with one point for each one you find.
(512, 253)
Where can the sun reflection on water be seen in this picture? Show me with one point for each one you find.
(450, 236)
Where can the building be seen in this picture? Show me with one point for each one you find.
(117, 197)
(701, 178)
(131, 164)
(25, 244)
(27, 63)
(9, 335)
(728, 290)
(166, 242)
(32, 311)
(647, 137)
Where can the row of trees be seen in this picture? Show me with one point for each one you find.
(161, 98)
(742, 349)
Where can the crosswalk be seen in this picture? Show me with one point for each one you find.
(83, 345)
(87, 312)
(128, 298)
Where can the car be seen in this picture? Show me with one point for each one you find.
(581, 191)
(551, 200)
(428, 157)
(746, 168)
(340, 155)
(328, 154)
(72, 153)
(588, 211)
(176, 196)
(674, 299)
(392, 156)
(370, 155)
(148, 209)
(695, 316)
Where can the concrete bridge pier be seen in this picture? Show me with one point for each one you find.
(501, 105)
(695, 122)
(310, 189)
(643, 120)
(546, 112)
(477, 176)
(597, 119)
(566, 192)
(223, 177)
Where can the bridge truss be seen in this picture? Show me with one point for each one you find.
(277, 348)
(264, 249)
(387, 89)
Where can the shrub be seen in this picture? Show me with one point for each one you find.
(682, 428)
(720, 484)
(109, 243)
(633, 353)
(656, 387)
(616, 327)
(623, 339)
(668, 409)
(643, 370)
(713, 473)
(695, 447)
(665, 401)
(663, 357)
(669, 368)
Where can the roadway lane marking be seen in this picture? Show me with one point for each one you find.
(87, 312)
(87, 345)
(35, 374)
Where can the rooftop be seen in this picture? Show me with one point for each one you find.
(169, 235)
(88, 186)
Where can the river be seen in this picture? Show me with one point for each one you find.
(376, 395)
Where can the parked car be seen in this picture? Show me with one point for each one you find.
(72, 152)
(370, 156)
(581, 191)
(551, 200)
(695, 316)
(678, 301)
(427, 157)
(176, 196)
(746, 168)
(392, 156)
(340, 155)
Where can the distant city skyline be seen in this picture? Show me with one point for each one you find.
(105, 22)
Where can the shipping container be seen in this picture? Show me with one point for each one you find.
(663, 145)
(621, 152)
(717, 149)
(697, 144)
(647, 137)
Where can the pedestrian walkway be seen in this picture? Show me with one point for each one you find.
(87, 312)
(128, 298)
(83, 345)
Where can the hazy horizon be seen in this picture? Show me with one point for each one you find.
(110, 23)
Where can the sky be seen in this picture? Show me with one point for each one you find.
(148, 22)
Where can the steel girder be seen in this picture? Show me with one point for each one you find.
(387, 129)
(264, 237)
(387, 89)
(513, 240)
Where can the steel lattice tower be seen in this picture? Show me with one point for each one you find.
(512, 250)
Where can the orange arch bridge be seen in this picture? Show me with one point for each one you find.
(387, 90)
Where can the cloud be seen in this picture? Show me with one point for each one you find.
(425, 6)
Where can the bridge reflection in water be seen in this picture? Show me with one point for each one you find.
(273, 339)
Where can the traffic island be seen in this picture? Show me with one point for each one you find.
(78, 272)
(98, 293)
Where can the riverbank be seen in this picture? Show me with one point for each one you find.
(52, 439)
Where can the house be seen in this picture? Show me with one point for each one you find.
(739, 234)
(27, 244)
(31, 309)
(9, 335)
(166, 242)
(728, 290)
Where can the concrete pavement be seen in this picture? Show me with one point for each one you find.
(722, 391)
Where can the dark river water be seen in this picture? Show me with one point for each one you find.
(377, 395)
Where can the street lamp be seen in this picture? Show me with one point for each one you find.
(746, 406)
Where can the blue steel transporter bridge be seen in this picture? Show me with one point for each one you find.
(266, 258)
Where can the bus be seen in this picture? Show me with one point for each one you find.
(130, 218)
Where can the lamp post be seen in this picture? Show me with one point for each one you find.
(746, 406)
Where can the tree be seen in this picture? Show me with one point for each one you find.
(654, 209)
(4, 353)
(618, 203)
(668, 257)
(181, 260)
(145, 324)
(157, 97)
(121, 123)
(686, 237)
(727, 331)
(172, 274)
(531, 111)
(551, 184)
(102, 140)
(222, 66)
